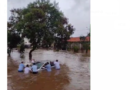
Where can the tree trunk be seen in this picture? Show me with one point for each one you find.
(30, 53)
(34, 47)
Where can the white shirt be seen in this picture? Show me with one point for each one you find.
(26, 70)
(57, 65)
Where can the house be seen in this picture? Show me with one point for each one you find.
(77, 41)
(26, 43)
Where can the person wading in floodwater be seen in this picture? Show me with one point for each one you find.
(27, 69)
(34, 69)
(57, 65)
(52, 63)
(21, 67)
(48, 67)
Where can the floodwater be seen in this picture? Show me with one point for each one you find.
(74, 73)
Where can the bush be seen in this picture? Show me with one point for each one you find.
(76, 48)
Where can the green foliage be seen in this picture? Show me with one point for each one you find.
(76, 48)
(18, 46)
(87, 47)
(88, 34)
(22, 48)
(13, 39)
(42, 23)
(82, 38)
(82, 41)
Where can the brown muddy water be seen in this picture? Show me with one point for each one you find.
(74, 73)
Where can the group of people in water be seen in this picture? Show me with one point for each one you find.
(34, 68)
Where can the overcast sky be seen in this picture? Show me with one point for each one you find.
(77, 12)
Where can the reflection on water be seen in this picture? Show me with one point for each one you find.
(57, 72)
(74, 73)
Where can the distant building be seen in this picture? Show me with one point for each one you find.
(72, 41)
(26, 43)
(77, 41)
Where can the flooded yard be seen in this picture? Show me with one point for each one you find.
(73, 75)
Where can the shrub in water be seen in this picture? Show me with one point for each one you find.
(76, 48)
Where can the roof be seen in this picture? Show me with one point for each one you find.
(77, 39)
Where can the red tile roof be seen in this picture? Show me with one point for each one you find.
(77, 39)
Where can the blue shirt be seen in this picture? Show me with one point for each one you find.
(34, 68)
(48, 67)
(21, 67)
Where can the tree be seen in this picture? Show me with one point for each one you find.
(22, 48)
(82, 40)
(40, 22)
(13, 39)
(88, 34)
(63, 36)
(88, 43)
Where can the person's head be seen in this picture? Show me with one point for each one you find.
(33, 63)
(27, 65)
(47, 63)
(21, 62)
(56, 60)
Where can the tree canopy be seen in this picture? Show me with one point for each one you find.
(13, 39)
(82, 38)
(41, 21)
(88, 34)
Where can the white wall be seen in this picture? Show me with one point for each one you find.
(26, 41)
